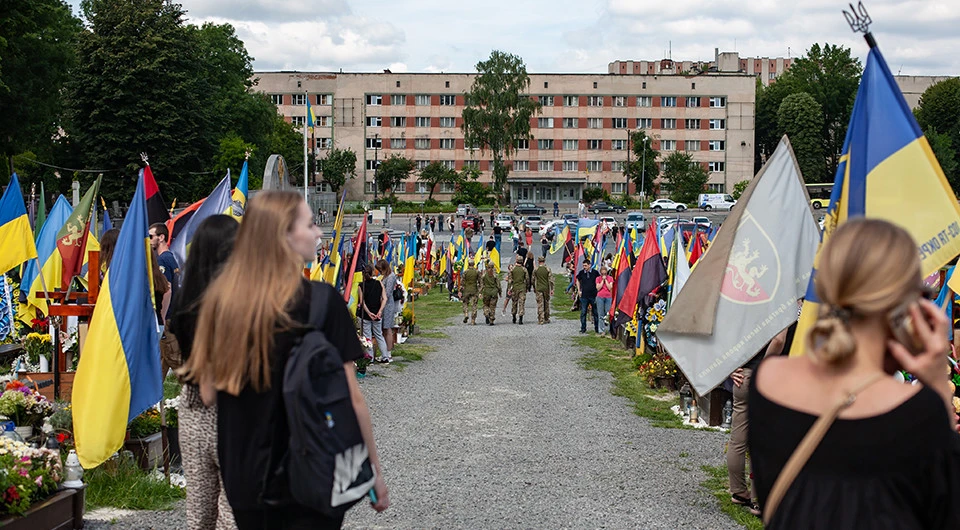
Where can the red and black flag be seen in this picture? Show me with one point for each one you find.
(569, 247)
(156, 211)
(648, 274)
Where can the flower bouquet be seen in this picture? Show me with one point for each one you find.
(37, 345)
(660, 367)
(26, 475)
(25, 406)
(363, 362)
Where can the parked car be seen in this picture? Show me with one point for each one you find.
(602, 207)
(571, 219)
(505, 221)
(464, 210)
(609, 222)
(533, 222)
(528, 208)
(471, 221)
(703, 221)
(666, 204)
(635, 220)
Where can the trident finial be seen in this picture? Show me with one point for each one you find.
(858, 18)
(246, 155)
(146, 160)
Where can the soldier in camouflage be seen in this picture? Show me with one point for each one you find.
(518, 289)
(543, 287)
(469, 291)
(491, 292)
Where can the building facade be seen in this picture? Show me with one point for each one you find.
(767, 69)
(580, 137)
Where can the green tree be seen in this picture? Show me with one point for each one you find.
(939, 116)
(739, 188)
(233, 151)
(498, 111)
(436, 173)
(801, 118)
(768, 132)
(942, 147)
(594, 194)
(683, 178)
(640, 142)
(392, 172)
(37, 42)
(338, 166)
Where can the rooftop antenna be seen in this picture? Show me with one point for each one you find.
(670, 44)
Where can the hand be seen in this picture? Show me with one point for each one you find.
(930, 325)
(737, 377)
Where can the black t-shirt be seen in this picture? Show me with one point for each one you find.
(497, 230)
(522, 252)
(372, 296)
(491, 244)
(588, 283)
(252, 426)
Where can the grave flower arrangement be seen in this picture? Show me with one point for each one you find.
(25, 406)
(26, 475)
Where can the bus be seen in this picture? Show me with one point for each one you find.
(819, 195)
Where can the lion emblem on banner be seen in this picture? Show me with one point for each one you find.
(753, 269)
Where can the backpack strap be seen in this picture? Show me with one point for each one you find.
(318, 306)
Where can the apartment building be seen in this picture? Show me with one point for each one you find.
(580, 138)
(767, 69)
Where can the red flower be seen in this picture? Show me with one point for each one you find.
(14, 385)
(12, 494)
(61, 436)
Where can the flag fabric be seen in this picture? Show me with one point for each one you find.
(311, 118)
(332, 272)
(7, 320)
(156, 211)
(119, 372)
(696, 251)
(560, 240)
(495, 259)
(942, 301)
(175, 224)
(240, 193)
(569, 249)
(72, 237)
(649, 264)
(587, 228)
(681, 273)
(216, 203)
(744, 291)
(31, 283)
(888, 171)
(41, 212)
(107, 224)
(357, 250)
(409, 259)
(17, 243)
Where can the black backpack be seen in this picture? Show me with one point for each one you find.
(397, 293)
(327, 460)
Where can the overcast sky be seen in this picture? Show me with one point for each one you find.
(917, 37)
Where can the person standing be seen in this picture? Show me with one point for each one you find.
(528, 260)
(491, 292)
(373, 299)
(518, 290)
(604, 296)
(544, 244)
(587, 289)
(543, 288)
(389, 319)
(491, 244)
(556, 209)
(440, 222)
(419, 220)
(433, 224)
(469, 291)
(160, 241)
(497, 235)
(580, 208)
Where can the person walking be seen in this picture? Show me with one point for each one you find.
(239, 354)
(440, 222)
(207, 505)
(469, 291)
(544, 244)
(604, 296)
(491, 292)
(543, 289)
(587, 291)
(390, 311)
(433, 223)
(419, 220)
(518, 290)
(528, 260)
(373, 300)
(497, 235)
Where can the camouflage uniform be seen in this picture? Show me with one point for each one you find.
(518, 290)
(470, 289)
(491, 293)
(542, 286)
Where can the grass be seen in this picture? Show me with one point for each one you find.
(124, 485)
(432, 312)
(560, 302)
(717, 485)
(171, 387)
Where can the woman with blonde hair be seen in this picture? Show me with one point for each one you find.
(884, 454)
(251, 316)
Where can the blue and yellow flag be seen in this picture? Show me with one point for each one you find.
(119, 372)
(240, 194)
(888, 171)
(16, 237)
(311, 118)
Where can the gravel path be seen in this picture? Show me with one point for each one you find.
(500, 428)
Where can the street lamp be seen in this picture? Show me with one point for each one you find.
(626, 192)
(376, 164)
(643, 171)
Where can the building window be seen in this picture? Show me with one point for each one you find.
(473, 164)
(644, 101)
(772, 75)
(324, 99)
(569, 165)
(544, 144)
(299, 99)
(668, 101)
(619, 123)
(324, 143)
(373, 164)
(448, 122)
(421, 143)
(691, 145)
(422, 164)
(400, 187)
(522, 145)
(617, 165)
(594, 185)
(448, 100)
(398, 143)
(570, 123)
(422, 121)
(374, 143)
(369, 187)
(691, 123)
(448, 187)
(718, 125)
(569, 145)
(668, 123)
(714, 167)
(276, 99)
(322, 121)
(718, 102)
(571, 101)
(398, 121)
(594, 144)
(595, 165)
(447, 143)
(595, 123)
(693, 101)
(668, 145)
(297, 121)
(398, 99)
(323, 187)
(546, 101)
(595, 101)
(594, 84)
(373, 121)
(521, 165)
(717, 145)
(374, 100)
(545, 165)
(716, 188)
(545, 123)
(618, 187)
(620, 101)
(644, 123)
(449, 164)
(422, 99)
(618, 145)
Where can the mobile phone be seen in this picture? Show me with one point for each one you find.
(373, 496)
(902, 327)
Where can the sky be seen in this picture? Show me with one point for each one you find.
(917, 37)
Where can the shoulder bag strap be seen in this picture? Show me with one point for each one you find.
(806, 448)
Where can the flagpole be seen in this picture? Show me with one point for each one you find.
(306, 111)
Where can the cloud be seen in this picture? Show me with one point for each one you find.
(266, 10)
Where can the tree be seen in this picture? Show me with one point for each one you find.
(498, 111)
(801, 118)
(768, 132)
(683, 178)
(939, 116)
(233, 151)
(37, 42)
(739, 188)
(640, 142)
(436, 173)
(594, 194)
(339, 165)
(942, 147)
(392, 172)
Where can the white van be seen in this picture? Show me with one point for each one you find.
(715, 201)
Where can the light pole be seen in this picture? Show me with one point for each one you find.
(376, 164)
(643, 171)
(626, 191)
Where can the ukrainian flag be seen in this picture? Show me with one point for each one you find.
(410, 260)
(240, 194)
(31, 283)
(119, 372)
(311, 118)
(16, 237)
(888, 171)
